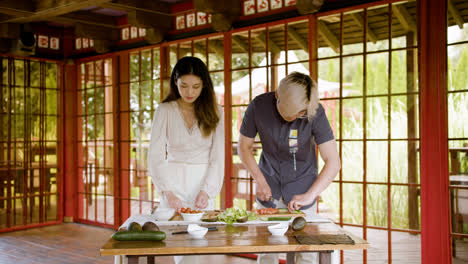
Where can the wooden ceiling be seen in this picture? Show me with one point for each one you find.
(99, 20)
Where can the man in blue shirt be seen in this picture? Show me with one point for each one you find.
(290, 123)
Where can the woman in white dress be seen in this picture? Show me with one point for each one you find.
(186, 152)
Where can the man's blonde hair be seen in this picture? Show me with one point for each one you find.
(302, 91)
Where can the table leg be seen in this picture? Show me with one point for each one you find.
(325, 257)
(290, 258)
(132, 259)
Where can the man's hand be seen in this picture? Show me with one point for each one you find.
(299, 201)
(173, 201)
(263, 191)
(202, 200)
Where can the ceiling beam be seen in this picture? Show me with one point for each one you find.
(455, 14)
(96, 32)
(50, 9)
(404, 17)
(298, 38)
(244, 47)
(155, 7)
(360, 22)
(13, 5)
(273, 47)
(328, 36)
(90, 18)
(9, 30)
(308, 6)
(146, 20)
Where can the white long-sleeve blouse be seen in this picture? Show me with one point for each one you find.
(170, 135)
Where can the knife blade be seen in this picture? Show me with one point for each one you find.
(210, 228)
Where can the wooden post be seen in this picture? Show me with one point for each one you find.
(435, 211)
(412, 124)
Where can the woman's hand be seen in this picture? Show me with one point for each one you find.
(263, 191)
(202, 200)
(299, 201)
(173, 201)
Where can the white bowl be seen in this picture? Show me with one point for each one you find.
(279, 229)
(164, 214)
(192, 217)
(196, 231)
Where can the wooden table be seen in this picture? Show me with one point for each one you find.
(242, 239)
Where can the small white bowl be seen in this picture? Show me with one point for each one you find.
(192, 217)
(196, 231)
(279, 229)
(164, 214)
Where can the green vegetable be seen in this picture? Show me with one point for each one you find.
(252, 216)
(298, 223)
(297, 212)
(283, 210)
(230, 215)
(276, 218)
(139, 236)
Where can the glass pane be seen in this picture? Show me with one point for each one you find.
(399, 161)
(276, 45)
(199, 47)
(89, 75)
(457, 56)
(240, 50)
(377, 118)
(332, 110)
(172, 57)
(352, 118)
(259, 81)
(19, 75)
(406, 247)
(400, 201)
(377, 73)
(399, 71)
(352, 77)
(156, 64)
(90, 101)
(100, 126)
(331, 202)
(237, 116)
(135, 126)
(108, 71)
(354, 32)
(352, 205)
(329, 36)
(216, 54)
(146, 125)
(404, 24)
(146, 65)
(352, 161)
(240, 88)
(52, 103)
(100, 79)
(19, 101)
(377, 157)
(377, 205)
(457, 113)
(185, 49)
(34, 73)
(100, 104)
(298, 41)
(51, 128)
(377, 20)
(156, 94)
(5, 71)
(146, 95)
(329, 74)
(35, 100)
(134, 66)
(135, 96)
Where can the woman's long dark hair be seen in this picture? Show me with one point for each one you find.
(206, 110)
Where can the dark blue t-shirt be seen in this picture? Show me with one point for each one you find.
(276, 160)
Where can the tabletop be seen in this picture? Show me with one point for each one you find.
(232, 239)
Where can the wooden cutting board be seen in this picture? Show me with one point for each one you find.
(281, 215)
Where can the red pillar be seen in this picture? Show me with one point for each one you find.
(70, 171)
(227, 122)
(435, 218)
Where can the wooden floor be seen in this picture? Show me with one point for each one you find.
(72, 243)
(78, 243)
